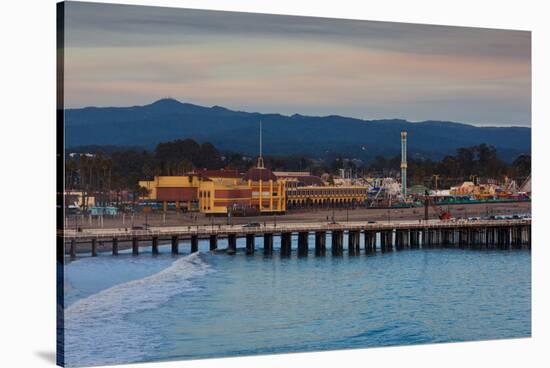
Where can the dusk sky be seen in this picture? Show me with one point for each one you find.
(119, 55)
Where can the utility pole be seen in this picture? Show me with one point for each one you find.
(436, 177)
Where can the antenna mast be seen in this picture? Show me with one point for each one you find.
(260, 158)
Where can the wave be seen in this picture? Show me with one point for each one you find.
(97, 328)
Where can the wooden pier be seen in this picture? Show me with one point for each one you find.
(371, 237)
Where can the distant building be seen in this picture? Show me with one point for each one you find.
(103, 211)
(219, 192)
(326, 196)
(306, 190)
(466, 188)
(259, 190)
(418, 190)
(295, 179)
(78, 199)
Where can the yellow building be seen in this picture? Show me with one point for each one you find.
(268, 193)
(466, 188)
(220, 191)
(326, 196)
(479, 192)
(306, 190)
(182, 190)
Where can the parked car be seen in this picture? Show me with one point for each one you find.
(252, 224)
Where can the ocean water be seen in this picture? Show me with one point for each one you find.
(133, 309)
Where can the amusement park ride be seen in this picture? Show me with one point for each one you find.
(441, 213)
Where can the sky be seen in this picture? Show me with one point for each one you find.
(120, 55)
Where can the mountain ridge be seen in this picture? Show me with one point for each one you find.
(317, 136)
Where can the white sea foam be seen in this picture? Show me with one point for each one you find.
(97, 328)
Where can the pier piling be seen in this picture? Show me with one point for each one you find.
(529, 237)
(337, 242)
(386, 241)
(175, 243)
(155, 245)
(194, 243)
(320, 243)
(115, 247)
(231, 244)
(94, 247)
(135, 246)
(370, 241)
(286, 244)
(213, 241)
(268, 244)
(353, 242)
(414, 239)
(72, 249)
(303, 246)
(250, 243)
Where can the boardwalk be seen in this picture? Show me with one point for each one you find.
(384, 236)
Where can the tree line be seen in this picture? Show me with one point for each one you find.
(120, 170)
(479, 163)
(117, 170)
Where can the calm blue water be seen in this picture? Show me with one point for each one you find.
(133, 309)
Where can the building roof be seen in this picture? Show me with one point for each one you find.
(259, 173)
(286, 174)
(417, 189)
(222, 173)
(310, 180)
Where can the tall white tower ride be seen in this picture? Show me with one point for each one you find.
(404, 163)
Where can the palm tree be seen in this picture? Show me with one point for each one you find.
(105, 165)
(143, 192)
(70, 171)
(83, 170)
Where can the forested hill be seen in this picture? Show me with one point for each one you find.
(326, 136)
